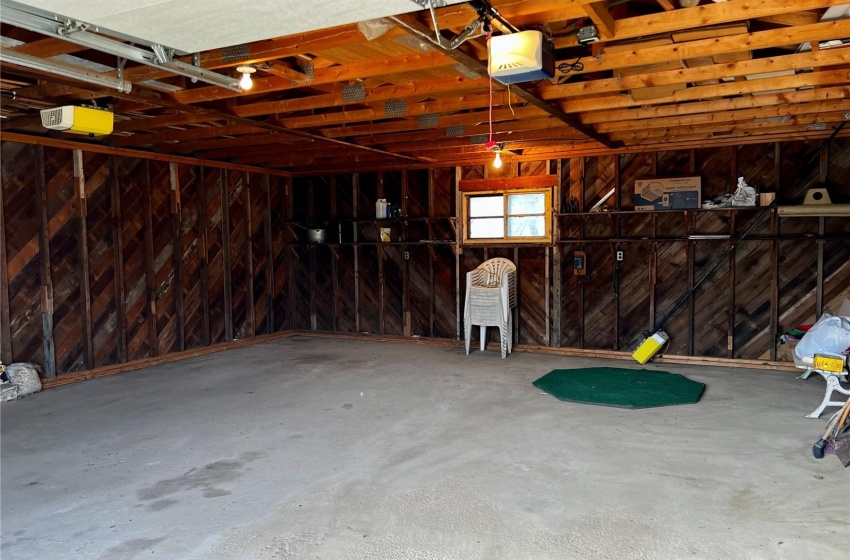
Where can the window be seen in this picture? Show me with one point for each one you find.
(519, 216)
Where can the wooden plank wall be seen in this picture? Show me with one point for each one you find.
(413, 285)
(109, 259)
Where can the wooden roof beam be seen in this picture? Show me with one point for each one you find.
(719, 105)
(369, 114)
(195, 146)
(838, 29)
(600, 16)
(382, 93)
(711, 14)
(525, 94)
(739, 116)
(392, 65)
(699, 93)
(830, 57)
(405, 125)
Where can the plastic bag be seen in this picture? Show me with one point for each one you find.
(374, 28)
(745, 195)
(24, 377)
(830, 335)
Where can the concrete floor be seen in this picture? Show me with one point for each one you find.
(343, 450)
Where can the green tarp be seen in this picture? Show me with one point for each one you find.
(625, 388)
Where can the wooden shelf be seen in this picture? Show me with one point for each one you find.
(650, 212)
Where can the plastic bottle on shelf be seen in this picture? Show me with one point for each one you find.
(381, 209)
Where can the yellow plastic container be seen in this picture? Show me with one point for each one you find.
(650, 347)
(826, 362)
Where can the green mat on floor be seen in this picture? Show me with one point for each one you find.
(625, 388)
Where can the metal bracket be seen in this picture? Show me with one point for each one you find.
(72, 26)
(163, 55)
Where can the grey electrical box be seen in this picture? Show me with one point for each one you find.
(588, 34)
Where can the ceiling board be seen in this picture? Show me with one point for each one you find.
(181, 25)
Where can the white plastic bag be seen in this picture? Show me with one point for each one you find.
(24, 377)
(745, 195)
(830, 335)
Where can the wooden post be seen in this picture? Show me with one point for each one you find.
(355, 188)
(203, 256)
(312, 275)
(691, 265)
(118, 259)
(335, 300)
(557, 262)
(287, 212)
(5, 315)
(46, 275)
(250, 312)
(431, 254)
(225, 254)
(149, 272)
(822, 172)
(83, 248)
(405, 265)
(177, 252)
(774, 250)
(269, 266)
(458, 252)
(730, 332)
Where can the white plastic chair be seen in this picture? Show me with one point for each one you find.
(490, 297)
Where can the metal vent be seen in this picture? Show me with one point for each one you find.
(353, 92)
(427, 121)
(455, 130)
(306, 69)
(235, 53)
(478, 139)
(816, 126)
(51, 117)
(395, 108)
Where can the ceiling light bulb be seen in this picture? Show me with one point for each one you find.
(246, 83)
(497, 161)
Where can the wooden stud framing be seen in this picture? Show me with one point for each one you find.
(83, 249)
(225, 251)
(249, 257)
(46, 275)
(177, 253)
(203, 256)
(269, 255)
(150, 288)
(118, 259)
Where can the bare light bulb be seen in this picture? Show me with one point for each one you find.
(246, 83)
(497, 161)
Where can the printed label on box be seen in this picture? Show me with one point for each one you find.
(668, 193)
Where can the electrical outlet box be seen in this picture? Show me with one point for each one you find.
(588, 34)
(579, 263)
(619, 256)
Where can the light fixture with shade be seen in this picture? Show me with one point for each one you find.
(246, 83)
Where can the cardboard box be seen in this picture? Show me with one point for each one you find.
(668, 193)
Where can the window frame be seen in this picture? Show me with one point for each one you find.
(505, 240)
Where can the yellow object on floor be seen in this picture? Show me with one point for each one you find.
(650, 347)
(834, 364)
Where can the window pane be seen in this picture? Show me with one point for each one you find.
(527, 226)
(486, 206)
(527, 203)
(485, 228)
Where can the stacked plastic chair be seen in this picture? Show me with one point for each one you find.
(490, 299)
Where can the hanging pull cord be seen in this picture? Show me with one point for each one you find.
(490, 75)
